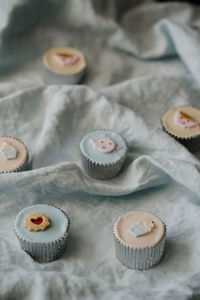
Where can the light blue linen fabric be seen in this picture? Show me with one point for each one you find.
(143, 58)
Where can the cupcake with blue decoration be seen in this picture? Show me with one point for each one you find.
(42, 231)
(13, 155)
(103, 153)
(139, 239)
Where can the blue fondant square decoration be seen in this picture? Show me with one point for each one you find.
(136, 231)
(10, 154)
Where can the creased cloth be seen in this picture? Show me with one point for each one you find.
(143, 58)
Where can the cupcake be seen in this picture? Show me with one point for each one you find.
(183, 123)
(103, 153)
(139, 239)
(13, 155)
(42, 231)
(64, 65)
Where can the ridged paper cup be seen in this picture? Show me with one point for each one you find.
(100, 169)
(64, 79)
(43, 252)
(138, 258)
(191, 143)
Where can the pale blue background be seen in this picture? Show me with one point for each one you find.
(143, 58)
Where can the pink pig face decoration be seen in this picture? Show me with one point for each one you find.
(105, 145)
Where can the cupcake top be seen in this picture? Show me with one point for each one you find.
(64, 60)
(13, 154)
(182, 121)
(139, 230)
(103, 147)
(41, 223)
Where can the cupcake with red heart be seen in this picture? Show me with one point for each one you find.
(64, 65)
(183, 123)
(42, 231)
(103, 153)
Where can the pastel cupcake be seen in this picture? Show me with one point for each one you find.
(183, 123)
(13, 155)
(65, 65)
(103, 153)
(139, 239)
(42, 231)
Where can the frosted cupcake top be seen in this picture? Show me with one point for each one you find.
(56, 223)
(64, 60)
(103, 146)
(13, 154)
(182, 121)
(139, 230)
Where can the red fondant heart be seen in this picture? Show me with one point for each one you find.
(37, 221)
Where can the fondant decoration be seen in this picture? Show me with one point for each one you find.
(141, 228)
(8, 151)
(183, 120)
(66, 60)
(104, 145)
(36, 222)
